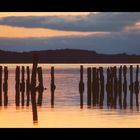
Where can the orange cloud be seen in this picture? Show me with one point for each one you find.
(133, 27)
(20, 32)
(5, 14)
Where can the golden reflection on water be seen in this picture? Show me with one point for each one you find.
(69, 117)
(35, 124)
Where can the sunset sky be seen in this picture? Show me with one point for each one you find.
(104, 32)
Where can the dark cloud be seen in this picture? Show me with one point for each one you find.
(109, 44)
(105, 21)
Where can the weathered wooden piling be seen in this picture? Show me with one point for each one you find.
(125, 87)
(131, 86)
(28, 86)
(101, 87)
(115, 82)
(81, 86)
(33, 87)
(120, 87)
(53, 87)
(17, 86)
(89, 86)
(0, 85)
(137, 86)
(94, 96)
(111, 92)
(108, 87)
(22, 85)
(40, 86)
(97, 86)
(5, 86)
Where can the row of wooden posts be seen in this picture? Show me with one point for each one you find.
(21, 85)
(116, 87)
(29, 84)
(95, 86)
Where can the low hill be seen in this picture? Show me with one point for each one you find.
(67, 56)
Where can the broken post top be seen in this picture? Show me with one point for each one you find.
(124, 69)
(81, 66)
(101, 69)
(52, 70)
(23, 69)
(6, 73)
(81, 73)
(137, 69)
(131, 67)
(81, 69)
(120, 73)
(120, 68)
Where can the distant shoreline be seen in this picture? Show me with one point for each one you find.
(67, 56)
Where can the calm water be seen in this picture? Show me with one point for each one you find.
(66, 111)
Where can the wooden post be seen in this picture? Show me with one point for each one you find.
(111, 88)
(17, 86)
(81, 86)
(5, 86)
(53, 87)
(120, 87)
(28, 86)
(125, 87)
(33, 88)
(89, 86)
(22, 85)
(0, 85)
(101, 86)
(115, 87)
(94, 96)
(40, 86)
(131, 86)
(137, 86)
(97, 86)
(108, 87)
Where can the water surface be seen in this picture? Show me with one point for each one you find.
(66, 112)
